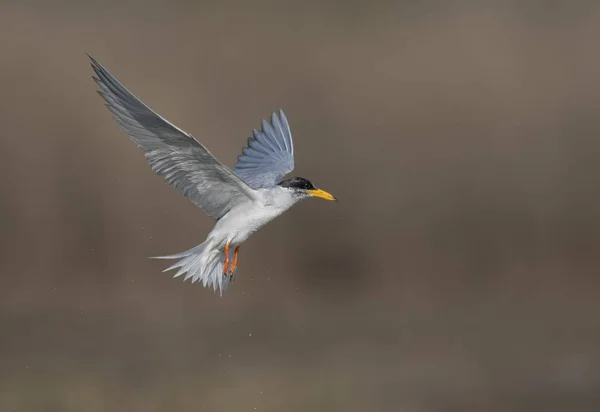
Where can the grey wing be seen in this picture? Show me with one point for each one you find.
(172, 153)
(269, 155)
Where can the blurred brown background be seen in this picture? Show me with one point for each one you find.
(459, 271)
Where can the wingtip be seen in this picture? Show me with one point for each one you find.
(94, 62)
(96, 67)
(276, 113)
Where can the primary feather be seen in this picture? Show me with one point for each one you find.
(269, 155)
(172, 153)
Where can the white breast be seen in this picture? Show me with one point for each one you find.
(247, 218)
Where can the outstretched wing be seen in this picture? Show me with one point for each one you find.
(269, 155)
(172, 153)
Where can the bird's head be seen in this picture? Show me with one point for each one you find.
(303, 188)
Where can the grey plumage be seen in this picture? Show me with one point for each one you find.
(240, 201)
(269, 155)
(172, 153)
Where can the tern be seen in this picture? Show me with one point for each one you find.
(241, 200)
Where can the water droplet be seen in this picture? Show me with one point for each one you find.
(250, 334)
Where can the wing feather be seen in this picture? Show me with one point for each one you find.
(269, 154)
(173, 153)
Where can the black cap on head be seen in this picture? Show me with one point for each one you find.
(298, 183)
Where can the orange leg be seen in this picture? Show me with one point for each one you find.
(234, 264)
(226, 264)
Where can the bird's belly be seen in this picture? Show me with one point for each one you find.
(238, 226)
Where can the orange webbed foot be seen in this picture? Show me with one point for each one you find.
(226, 263)
(234, 264)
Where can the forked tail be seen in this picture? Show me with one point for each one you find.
(201, 264)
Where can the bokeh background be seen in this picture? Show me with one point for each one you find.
(459, 271)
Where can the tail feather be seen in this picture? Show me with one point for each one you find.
(190, 265)
(192, 251)
(201, 265)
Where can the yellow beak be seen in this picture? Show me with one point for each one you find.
(321, 194)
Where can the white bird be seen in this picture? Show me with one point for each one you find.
(241, 201)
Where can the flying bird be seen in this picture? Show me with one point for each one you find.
(241, 200)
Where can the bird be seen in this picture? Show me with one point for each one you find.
(241, 200)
